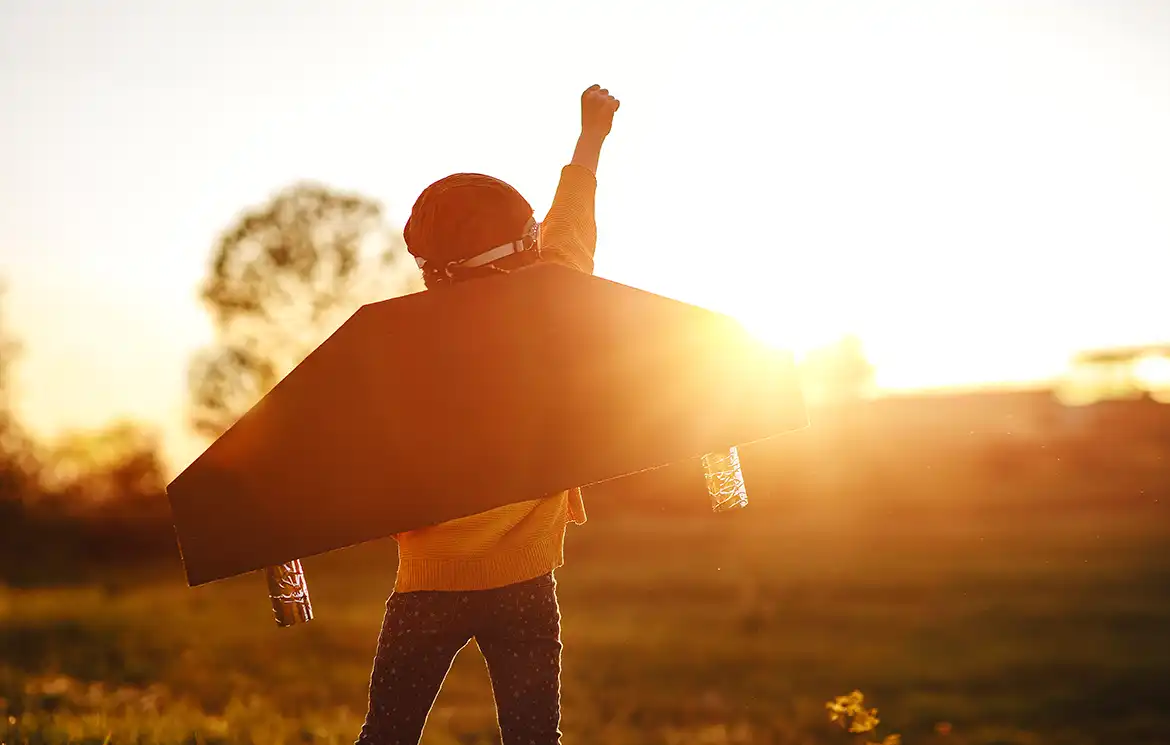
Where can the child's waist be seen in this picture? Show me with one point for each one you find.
(492, 569)
(494, 548)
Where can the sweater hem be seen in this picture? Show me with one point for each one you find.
(481, 573)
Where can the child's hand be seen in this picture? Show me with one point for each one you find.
(597, 109)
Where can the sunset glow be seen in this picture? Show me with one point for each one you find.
(975, 191)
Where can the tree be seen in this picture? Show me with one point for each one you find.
(117, 465)
(18, 466)
(282, 278)
(837, 373)
(105, 494)
(19, 472)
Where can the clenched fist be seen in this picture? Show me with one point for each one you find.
(597, 109)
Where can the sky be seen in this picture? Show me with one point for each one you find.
(975, 188)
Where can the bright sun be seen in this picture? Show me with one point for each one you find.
(764, 326)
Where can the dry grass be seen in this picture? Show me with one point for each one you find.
(970, 608)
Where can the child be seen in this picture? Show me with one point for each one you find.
(488, 576)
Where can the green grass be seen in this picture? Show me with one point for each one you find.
(1012, 625)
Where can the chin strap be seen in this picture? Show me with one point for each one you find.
(530, 241)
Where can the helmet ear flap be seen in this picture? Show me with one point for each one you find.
(533, 236)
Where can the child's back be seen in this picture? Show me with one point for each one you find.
(488, 576)
(518, 541)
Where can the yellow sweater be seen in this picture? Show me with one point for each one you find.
(520, 541)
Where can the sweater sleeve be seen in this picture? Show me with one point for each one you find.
(569, 231)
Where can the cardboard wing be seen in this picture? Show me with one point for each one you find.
(442, 404)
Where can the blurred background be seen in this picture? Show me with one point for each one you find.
(955, 212)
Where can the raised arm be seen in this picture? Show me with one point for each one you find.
(569, 230)
(597, 110)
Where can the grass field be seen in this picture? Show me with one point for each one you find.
(1033, 615)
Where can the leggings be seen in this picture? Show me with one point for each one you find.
(517, 628)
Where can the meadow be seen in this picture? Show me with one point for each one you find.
(1005, 592)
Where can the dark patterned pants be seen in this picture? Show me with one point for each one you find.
(517, 629)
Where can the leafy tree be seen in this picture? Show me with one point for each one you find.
(109, 486)
(117, 465)
(283, 277)
(18, 464)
